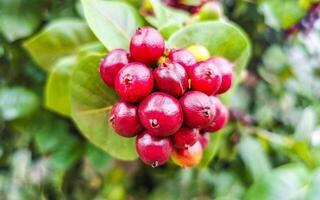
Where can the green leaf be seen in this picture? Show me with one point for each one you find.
(19, 18)
(253, 156)
(60, 38)
(112, 22)
(57, 86)
(286, 182)
(283, 14)
(98, 158)
(91, 101)
(17, 102)
(222, 39)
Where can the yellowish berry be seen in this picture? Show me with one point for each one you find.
(200, 52)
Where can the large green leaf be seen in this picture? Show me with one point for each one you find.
(288, 182)
(60, 38)
(112, 22)
(283, 14)
(17, 102)
(19, 18)
(57, 86)
(220, 38)
(91, 102)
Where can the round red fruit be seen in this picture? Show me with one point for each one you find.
(152, 150)
(226, 70)
(205, 77)
(204, 139)
(124, 119)
(185, 137)
(147, 45)
(171, 78)
(183, 57)
(198, 110)
(134, 82)
(222, 115)
(112, 63)
(189, 157)
(161, 114)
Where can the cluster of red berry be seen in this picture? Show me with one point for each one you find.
(167, 98)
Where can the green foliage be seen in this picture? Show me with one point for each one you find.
(60, 38)
(57, 87)
(17, 102)
(112, 22)
(284, 14)
(18, 22)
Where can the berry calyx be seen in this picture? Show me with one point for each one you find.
(204, 139)
(222, 116)
(183, 57)
(147, 45)
(198, 110)
(171, 78)
(205, 77)
(185, 137)
(226, 70)
(124, 119)
(112, 63)
(134, 82)
(161, 114)
(200, 52)
(189, 157)
(152, 150)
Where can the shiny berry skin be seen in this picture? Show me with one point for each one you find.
(124, 119)
(112, 63)
(152, 150)
(183, 57)
(147, 45)
(198, 110)
(222, 116)
(205, 77)
(161, 114)
(200, 52)
(204, 139)
(189, 157)
(134, 82)
(171, 78)
(185, 137)
(226, 71)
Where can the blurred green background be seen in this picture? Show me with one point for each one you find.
(270, 149)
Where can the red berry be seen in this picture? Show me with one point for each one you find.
(111, 64)
(171, 78)
(222, 116)
(185, 137)
(161, 114)
(226, 70)
(205, 77)
(124, 119)
(189, 157)
(147, 45)
(198, 110)
(204, 139)
(134, 82)
(152, 150)
(183, 57)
